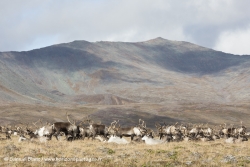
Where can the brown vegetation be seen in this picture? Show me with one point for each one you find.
(215, 153)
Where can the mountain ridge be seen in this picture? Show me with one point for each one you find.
(135, 71)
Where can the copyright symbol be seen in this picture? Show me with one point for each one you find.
(6, 159)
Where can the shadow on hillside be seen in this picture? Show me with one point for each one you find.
(128, 117)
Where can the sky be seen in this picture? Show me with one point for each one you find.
(223, 25)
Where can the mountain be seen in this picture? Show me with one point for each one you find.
(154, 71)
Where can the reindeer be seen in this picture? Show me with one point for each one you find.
(126, 131)
(138, 130)
(16, 130)
(95, 129)
(149, 140)
(207, 131)
(112, 130)
(159, 128)
(32, 137)
(45, 130)
(196, 131)
(32, 134)
(223, 131)
(29, 132)
(22, 138)
(241, 131)
(183, 130)
(170, 133)
(85, 132)
(227, 132)
(7, 133)
(118, 140)
(69, 128)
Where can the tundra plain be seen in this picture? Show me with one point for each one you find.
(157, 80)
(96, 153)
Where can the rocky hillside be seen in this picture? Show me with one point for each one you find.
(155, 71)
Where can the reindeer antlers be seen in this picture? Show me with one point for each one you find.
(27, 126)
(87, 120)
(113, 124)
(157, 125)
(143, 124)
(34, 123)
(41, 122)
(68, 119)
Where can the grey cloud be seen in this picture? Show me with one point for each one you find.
(33, 24)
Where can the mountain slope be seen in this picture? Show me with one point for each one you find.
(154, 71)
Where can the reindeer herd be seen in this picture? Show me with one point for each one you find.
(115, 133)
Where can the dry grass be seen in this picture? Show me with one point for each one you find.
(216, 153)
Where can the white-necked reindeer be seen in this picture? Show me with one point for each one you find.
(149, 140)
(118, 140)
